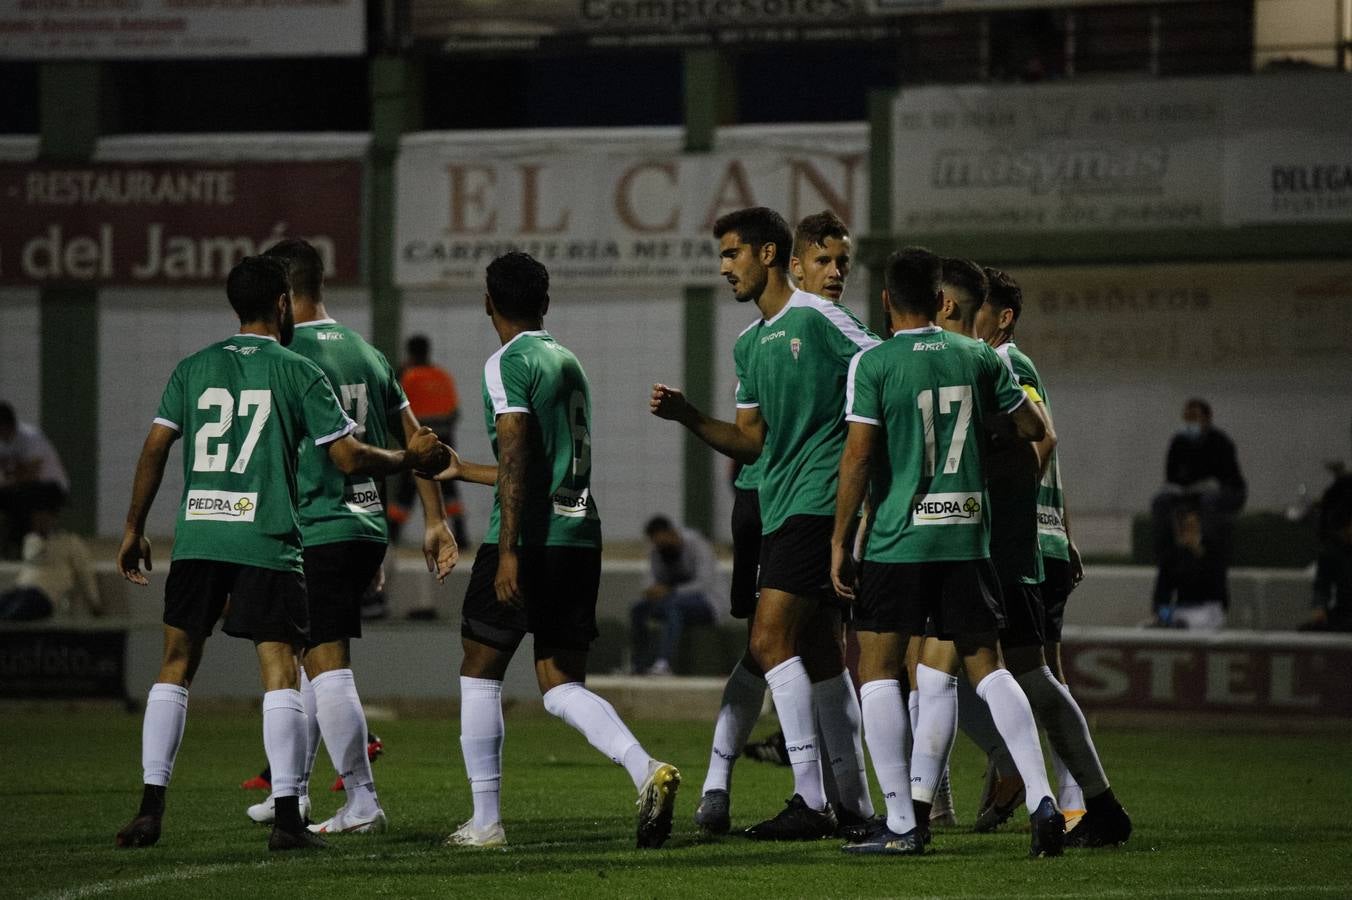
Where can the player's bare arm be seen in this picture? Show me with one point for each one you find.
(850, 491)
(1045, 446)
(464, 470)
(424, 454)
(513, 455)
(149, 473)
(439, 547)
(741, 440)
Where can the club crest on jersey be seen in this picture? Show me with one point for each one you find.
(221, 506)
(795, 346)
(946, 509)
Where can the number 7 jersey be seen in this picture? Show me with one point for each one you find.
(930, 393)
(535, 374)
(243, 406)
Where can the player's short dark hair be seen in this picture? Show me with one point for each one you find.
(758, 226)
(970, 285)
(7, 417)
(304, 266)
(658, 524)
(418, 347)
(519, 286)
(817, 229)
(254, 285)
(1005, 293)
(913, 277)
(1200, 404)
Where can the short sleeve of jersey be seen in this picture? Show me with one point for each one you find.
(861, 392)
(172, 413)
(507, 377)
(746, 392)
(324, 417)
(844, 333)
(1026, 376)
(1008, 395)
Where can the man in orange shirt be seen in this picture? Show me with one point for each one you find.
(435, 401)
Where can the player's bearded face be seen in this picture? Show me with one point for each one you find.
(741, 266)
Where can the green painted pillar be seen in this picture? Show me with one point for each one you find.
(709, 102)
(878, 244)
(396, 107)
(71, 115)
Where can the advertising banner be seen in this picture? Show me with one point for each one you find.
(44, 664)
(611, 211)
(172, 224)
(1141, 155)
(180, 29)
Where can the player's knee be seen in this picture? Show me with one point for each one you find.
(768, 649)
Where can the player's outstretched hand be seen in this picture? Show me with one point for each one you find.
(440, 550)
(427, 452)
(135, 547)
(453, 470)
(668, 403)
(507, 583)
(842, 572)
(1076, 567)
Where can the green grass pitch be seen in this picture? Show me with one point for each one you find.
(1217, 815)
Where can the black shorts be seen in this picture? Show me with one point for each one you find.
(560, 585)
(265, 604)
(796, 558)
(1023, 615)
(746, 551)
(336, 576)
(1056, 588)
(962, 597)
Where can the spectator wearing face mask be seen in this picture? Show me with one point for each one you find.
(1202, 470)
(682, 575)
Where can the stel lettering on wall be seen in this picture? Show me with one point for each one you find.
(160, 224)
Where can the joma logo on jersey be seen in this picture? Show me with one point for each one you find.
(774, 336)
(363, 498)
(930, 345)
(946, 509)
(221, 506)
(242, 351)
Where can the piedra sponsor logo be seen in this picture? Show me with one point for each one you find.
(946, 509)
(221, 506)
(1049, 520)
(363, 498)
(571, 504)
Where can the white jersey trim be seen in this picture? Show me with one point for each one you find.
(743, 405)
(927, 329)
(314, 322)
(405, 405)
(261, 337)
(865, 419)
(844, 323)
(497, 391)
(1022, 398)
(849, 386)
(167, 424)
(347, 429)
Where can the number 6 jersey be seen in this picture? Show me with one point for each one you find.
(535, 374)
(243, 407)
(929, 392)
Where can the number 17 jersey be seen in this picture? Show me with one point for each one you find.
(929, 392)
(243, 406)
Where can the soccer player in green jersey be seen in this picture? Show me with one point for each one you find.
(820, 264)
(343, 527)
(248, 403)
(1033, 630)
(539, 567)
(918, 407)
(791, 366)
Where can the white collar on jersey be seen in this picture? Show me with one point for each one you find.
(520, 334)
(316, 322)
(789, 305)
(928, 329)
(261, 337)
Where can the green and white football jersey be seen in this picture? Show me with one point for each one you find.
(1051, 527)
(335, 507)
(244, 406)
(533, 373)
(929, 392)
(1014, 513)
(793, 367)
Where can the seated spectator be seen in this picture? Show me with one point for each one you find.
(1333, 572)
(1201, 468)
(682, 576)
(57, 575)
(31, 477)
(1190, 589)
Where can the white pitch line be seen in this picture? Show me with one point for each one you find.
(181, 873)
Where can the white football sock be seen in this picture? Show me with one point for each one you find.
(974, 718)
(840, 718)
(938, 728)
(481, 735)
(792, 693)
(343, 724)
(912, 713)
(1069, 796)
(307, 696)
(592, 715)
(1067, 731)
(743, 697)
(284, 739)
(162, 732)
(1014, 718)
(885, 726)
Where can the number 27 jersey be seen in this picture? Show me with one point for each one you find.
(242, 407)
